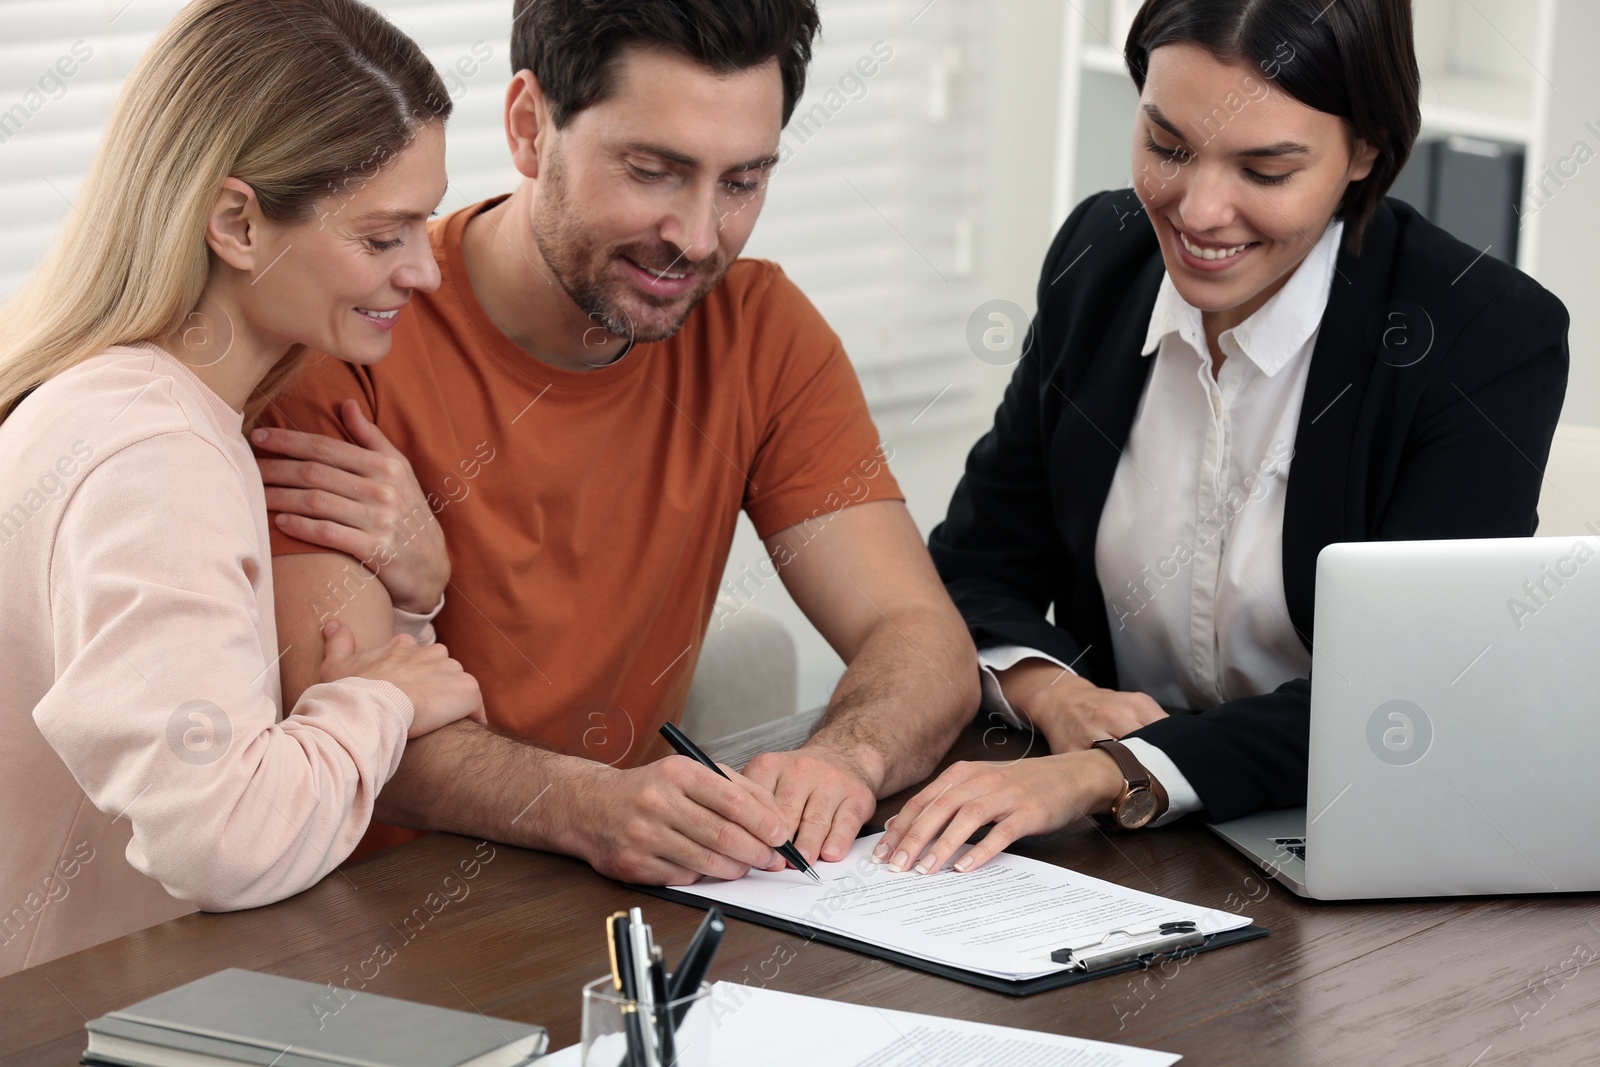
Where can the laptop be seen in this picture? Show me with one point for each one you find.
(1455, 724)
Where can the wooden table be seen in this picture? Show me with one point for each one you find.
(513, 933)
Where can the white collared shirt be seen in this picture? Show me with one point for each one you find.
(1189, 551)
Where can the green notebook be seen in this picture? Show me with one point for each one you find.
(241, 1017)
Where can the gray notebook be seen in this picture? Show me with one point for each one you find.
(237, 1016)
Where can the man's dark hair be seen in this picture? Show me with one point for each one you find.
(572, 45)
(1350, 58)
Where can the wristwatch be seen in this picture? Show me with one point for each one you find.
(1143, 800)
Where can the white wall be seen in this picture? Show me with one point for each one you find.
(1567, 261)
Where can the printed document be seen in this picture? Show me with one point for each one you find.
(1003, 919)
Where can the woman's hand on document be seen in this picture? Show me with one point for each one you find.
(1069, 710)
(1030, 796)
(361, 499)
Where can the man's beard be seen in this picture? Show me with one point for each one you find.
(584, 271)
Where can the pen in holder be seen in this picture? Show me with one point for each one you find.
(641, 1016)
(619, 1031)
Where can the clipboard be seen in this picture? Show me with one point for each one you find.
(1017, 987)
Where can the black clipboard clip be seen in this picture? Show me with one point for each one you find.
(1115, 947)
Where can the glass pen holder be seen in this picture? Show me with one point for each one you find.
(618, 1032)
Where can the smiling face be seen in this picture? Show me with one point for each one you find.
(1239, 178)
(338, 282)
(646, 198)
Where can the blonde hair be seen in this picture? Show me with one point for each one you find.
(300, 99)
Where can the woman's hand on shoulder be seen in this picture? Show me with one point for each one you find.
(361, 499)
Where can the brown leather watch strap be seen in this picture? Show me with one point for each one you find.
(1134, 773)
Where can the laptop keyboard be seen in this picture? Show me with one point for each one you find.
(1294, 846)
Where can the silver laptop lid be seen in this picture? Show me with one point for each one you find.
(1455, 718)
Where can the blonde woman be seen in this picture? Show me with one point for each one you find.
(263, 185)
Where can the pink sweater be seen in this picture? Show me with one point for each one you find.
(146, 767)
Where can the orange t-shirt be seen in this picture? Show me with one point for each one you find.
(589, 515)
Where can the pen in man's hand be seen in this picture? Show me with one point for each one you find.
(684, 747)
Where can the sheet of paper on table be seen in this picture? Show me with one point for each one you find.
(1004, 919)
(754, 1025)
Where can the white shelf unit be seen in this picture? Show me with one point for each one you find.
(1519, 71)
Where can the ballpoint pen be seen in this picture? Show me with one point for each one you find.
(691, 970)
(624, 976)
(685, 747)
(644, 997)
(662, 1015)
(1115, 947)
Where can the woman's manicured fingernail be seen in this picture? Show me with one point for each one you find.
(963, 863)
(880, 853)
(900, 861)
(926, 865)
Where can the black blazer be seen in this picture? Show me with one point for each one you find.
(1432, 396)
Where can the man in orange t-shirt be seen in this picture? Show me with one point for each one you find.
(580, 412)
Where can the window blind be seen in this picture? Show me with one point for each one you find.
(870, 211)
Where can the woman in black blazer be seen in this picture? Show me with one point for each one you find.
(1266, 138)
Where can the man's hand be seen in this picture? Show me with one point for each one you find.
(825, 797)
(1071, 711)
(865, 581)
(360, 499)
(671, 822)
(1030, 796)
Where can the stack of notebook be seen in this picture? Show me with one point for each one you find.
(240, 1017)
